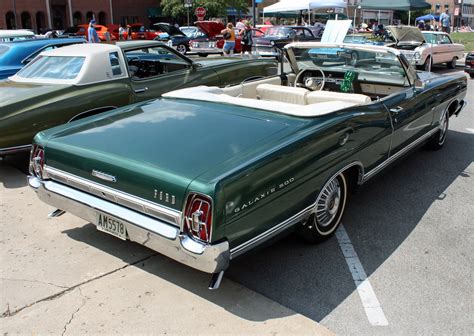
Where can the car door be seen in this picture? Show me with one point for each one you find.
(306, 35)
(158, 69)
(411, 111)
(443, 49)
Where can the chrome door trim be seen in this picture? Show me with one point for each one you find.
(398, 154)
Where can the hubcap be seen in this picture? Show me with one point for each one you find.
(181, 49)
(328, 203)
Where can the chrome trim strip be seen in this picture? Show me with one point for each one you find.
(139, 204)
(273, 231)
(398, 154)
(12, 150)
(152, 233)
(103, 176)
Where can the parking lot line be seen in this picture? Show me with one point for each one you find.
(371, 304)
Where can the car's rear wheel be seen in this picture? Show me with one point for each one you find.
(439, 138)
(472, 75)
(452, 64)
(181, 48)
(327, 212)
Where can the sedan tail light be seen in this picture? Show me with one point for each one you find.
(198, 217)
(37, 161)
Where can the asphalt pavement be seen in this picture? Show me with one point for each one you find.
(401, 264)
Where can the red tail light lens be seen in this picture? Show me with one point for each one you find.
(37, 161)
(198, 217)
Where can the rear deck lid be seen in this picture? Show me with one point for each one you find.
(161, 145)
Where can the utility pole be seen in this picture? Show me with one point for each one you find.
(14, 15)
(188, 4)
(254, 13)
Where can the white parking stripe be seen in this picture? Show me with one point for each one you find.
(470, 130)
(367, 295)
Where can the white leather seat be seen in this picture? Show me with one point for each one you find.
(315, 97)
(284, 94)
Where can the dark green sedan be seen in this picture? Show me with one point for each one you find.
(206, 174)
(73, 82)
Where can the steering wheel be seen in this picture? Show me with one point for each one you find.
(310, 83)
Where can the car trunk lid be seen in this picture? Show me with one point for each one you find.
(159, 147)
(210, 28)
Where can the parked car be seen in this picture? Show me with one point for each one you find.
(139, 32)
(75, 81)
(178, 39)
(114, 30)
(14, 55)
(206, 43)
(426, 48)
(82, 30)
(8, 35)
(205, 174)
(212, 41)
(469, 64)
(279, 36)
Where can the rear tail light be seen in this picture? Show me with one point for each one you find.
(37, 161)
(198, 217)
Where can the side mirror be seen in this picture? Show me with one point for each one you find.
(419, 84)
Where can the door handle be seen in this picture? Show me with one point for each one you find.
(396, 110)
(141, 90)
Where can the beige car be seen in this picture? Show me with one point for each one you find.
(425, 48)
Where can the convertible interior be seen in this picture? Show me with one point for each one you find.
(301, 95)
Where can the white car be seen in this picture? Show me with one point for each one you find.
(426, 48)
(7, 35)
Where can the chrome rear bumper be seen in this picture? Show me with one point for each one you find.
(150, 232)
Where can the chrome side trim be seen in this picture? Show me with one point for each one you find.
(139, 204)
(398, 154)
(16, 149)
(264, 236)
(152, 233)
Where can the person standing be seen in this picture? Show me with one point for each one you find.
(92, 33)
(246, 41)
(121, 33)
(229, 37)
(445, 21)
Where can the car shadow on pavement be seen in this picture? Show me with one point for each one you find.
(314, 280)
(9, 167)
(230, 296)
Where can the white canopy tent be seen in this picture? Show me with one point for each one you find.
(298, 5)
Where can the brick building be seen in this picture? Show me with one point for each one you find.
(60, 14)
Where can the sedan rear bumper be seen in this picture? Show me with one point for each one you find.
(150, 232)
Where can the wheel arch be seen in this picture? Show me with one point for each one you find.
(452, 107)
(354, 173)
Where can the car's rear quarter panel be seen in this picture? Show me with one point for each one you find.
(274, 188)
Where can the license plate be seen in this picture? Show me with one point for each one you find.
(111, 225)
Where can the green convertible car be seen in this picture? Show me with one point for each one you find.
(76, 81)
(205, 174)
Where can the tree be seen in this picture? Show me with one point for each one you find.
(216, 8)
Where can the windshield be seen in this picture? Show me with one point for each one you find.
(280, 32)
(378, 66)
(429, 37)
(53, 67)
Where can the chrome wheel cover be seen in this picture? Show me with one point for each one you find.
(181, 49)
(328, 203)
(443, 128)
